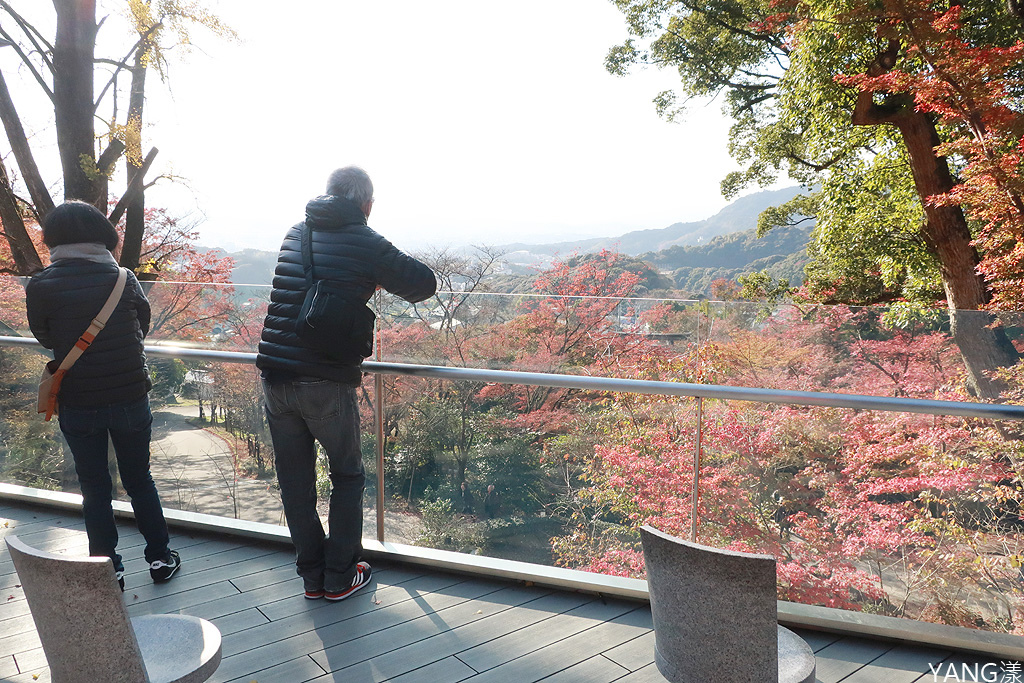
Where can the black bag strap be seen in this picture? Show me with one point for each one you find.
(307, 255)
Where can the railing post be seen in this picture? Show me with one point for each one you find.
(695, 491)
(378, 415)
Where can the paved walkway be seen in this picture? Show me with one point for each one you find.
(193, 471)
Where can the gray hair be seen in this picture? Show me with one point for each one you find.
(351, 182)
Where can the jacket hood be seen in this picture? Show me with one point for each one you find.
(329, 211)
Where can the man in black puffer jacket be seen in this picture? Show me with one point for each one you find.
(311, 393)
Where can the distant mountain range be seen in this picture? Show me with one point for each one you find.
(692, 254)
(738, 216)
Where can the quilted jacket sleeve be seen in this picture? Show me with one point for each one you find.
(38, 309)
(403, 275)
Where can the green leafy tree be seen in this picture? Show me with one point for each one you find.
(878, 106)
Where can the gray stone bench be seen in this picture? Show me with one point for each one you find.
(87, 635)
(716, 617)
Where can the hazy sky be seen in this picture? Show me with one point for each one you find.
(479, 122)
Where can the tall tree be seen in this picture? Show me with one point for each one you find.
(159, 26)
(801, 80)
(65, 71)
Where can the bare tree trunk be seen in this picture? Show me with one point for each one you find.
(73, 53)
(23, 251)
(23, 153)
(135, 215)
(983, 343)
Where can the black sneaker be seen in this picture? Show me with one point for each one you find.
(360, 579)
(120, 578)
(163, 570)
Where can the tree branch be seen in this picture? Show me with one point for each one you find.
(123, 63)
(28, 63)
(109, 156)
(23, 153)
(134, 186)
(866, 112)
(813, 166)
(33, 34)
(713, 17)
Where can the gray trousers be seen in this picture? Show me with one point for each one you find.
(300, 412)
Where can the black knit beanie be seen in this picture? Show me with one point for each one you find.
(76, 221)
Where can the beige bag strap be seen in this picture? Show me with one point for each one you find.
(98, 323)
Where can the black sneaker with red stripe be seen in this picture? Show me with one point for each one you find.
(359, 579)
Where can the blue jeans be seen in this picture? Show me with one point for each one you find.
(300, 412)
(129, 427)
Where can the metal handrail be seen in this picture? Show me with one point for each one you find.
(991, 411)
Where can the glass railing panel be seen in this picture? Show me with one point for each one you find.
(185, 314)
(471, 473)
(856, 505)
(867, 350)
(211, 450)
(12, 307)
(207, 316)
(534, 333)
(32, 451)
(900, 514)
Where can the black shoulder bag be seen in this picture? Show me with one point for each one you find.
(331, 319)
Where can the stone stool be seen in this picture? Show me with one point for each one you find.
(716, 617)
(87, 635)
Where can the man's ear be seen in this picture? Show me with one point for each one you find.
(366, 208)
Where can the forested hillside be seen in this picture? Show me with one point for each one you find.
(782, 253)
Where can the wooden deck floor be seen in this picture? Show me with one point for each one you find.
(410, 624)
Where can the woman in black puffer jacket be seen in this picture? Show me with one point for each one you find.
(106, 392)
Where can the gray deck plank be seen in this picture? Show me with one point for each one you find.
(634, 654)
(845, 656)
(16, 625)
(817, 640)
(380, 588)
(31, 660)
(39, 676)
(298, 670)
(396, 604)
(648, 674)
(424, 640)
(8, 667)
(447, 670)
(238, 602)
(531, 638)
(239, 621)
(597, 669)
(198, 572)
(19, 642)
(286, 572)
(565, 653)
(264, 646)
(899, 665)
